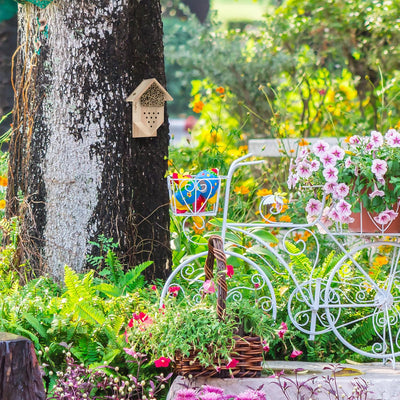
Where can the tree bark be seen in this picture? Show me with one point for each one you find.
(72, 157)
(20, 376)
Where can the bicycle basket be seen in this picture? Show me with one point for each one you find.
(193, 196)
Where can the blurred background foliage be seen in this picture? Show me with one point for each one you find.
(303, 68)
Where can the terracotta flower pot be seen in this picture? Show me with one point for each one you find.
(364, 223)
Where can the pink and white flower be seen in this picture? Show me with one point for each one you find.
(379, 167)
(338, 152)
(320, 147)
(342, 190)
(385, 217)
(313, 207)
(330, 174)
(393, 138)
(330, 187)
(376, 139)
(327, 159)
(303, 170)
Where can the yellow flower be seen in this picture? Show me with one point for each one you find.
(2, 204)
(381, 260)
(241, 189)
(264, 192)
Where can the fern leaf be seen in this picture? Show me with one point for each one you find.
(34, 322)
(89, 313)
(300, 260)
(109, 290)
(133, 274)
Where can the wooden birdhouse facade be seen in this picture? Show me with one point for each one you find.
(148, 108)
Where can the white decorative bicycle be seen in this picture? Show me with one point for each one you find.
(354, 292)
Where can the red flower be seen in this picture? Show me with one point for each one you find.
(229, 270)
(266, 348)
(283, 330)
(232, 363)
(154, 287)
(143, 320)
(296, 353)
(162, 362)
(174, 290)
(256, 285)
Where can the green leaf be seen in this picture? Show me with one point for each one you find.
(266, 236)
(109, 290)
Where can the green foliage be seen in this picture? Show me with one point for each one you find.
(8, 8)
(310, 68)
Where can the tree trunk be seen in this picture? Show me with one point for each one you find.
(73, 160)
(20, 376)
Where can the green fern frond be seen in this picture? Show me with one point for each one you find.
(109, 290)
(36, 325)
(299, 260)
(89, 313)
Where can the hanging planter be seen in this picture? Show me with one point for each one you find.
(365, 170)
(38, 3)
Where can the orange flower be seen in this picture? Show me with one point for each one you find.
(264, 192)
(198, 106)
(220, 90)
(3, 181)
(303, 142)
(285, 218)
(241, 190)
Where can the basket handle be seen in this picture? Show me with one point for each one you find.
(216, 251)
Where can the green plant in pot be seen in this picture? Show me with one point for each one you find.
(210, 338)
(363, 173)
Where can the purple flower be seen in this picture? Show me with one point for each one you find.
(252, 395)
(212, 389)
(211, 396)
(379, 167)
(186, 394)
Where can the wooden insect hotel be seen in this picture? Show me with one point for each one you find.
(148, 108)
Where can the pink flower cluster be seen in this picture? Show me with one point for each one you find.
(341, 174)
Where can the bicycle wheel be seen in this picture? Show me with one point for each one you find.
(248, 281)
(305, 308)
(362, 300)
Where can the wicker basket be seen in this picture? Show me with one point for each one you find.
(247, 350)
